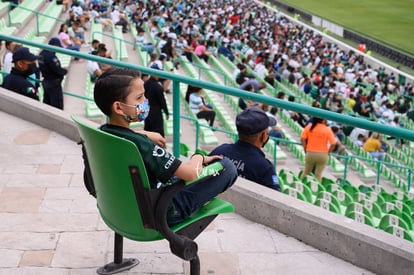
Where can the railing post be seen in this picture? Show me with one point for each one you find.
(176, 118)
(120, 49)
(378, 171)
(274, 154)
(8, 14)
(346, 158)
(37, 25)
(197, 123)
(409, 179)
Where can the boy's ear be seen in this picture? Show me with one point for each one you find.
(116, 108)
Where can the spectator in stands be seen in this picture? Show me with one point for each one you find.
(361, 140)
(119, 19)
(158, 64)
(158, 105)
(24, 66)
(339, 148)
(53, 75)
(274, 131)
(119, 94)
(374, 147)
(142, 43)
(76, 33)
(8, 56)
(225, 50)
(102, 51)
(65, 40)
(98, 17)
(183, 48)
(201, 51)
(253, 134)
(200, 108)
(318, 141)
(93, 68)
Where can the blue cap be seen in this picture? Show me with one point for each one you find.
(24, 54)
(54, 41)
(253, 120)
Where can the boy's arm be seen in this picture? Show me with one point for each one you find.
(154, 137)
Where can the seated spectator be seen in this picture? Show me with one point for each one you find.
(201, 51)
(199, 108)
(374, 147)
(361, 140)
(119, 93)
(8, 56)
(183, 48)
(142, 43)
(66, 41)
(298, 117)
(76, 33)
(339, 148)
(253, 134)
(98, 17)
(93, 68)
(274, 131)
(225, 50)
(119, 19)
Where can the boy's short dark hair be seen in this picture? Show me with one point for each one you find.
(113, 85)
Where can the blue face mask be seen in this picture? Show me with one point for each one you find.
(143, 110)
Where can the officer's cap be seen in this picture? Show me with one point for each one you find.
(24, 54)
(54, 41)
(253, 120)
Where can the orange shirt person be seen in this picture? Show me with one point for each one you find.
(318, 141)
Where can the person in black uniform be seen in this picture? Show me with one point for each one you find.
(246, 154)
(24, 65)
(53, 74)
(155, 95)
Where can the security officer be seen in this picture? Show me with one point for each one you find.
(24, 66)
(53, 74)
(246, 154)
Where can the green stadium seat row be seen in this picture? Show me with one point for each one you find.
(96, 31)
(120, 46)
(91, 110)
(373, 206)
(46, 23)
(4, 29)
(32, 37)
(19, 16)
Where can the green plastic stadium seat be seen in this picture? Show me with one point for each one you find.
(399, 232)
(131, 209)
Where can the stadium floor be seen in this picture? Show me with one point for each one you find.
(50, 225)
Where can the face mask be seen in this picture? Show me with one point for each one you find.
(31, 69)
(264, 143)
(143, 110)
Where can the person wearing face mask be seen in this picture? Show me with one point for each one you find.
(253, 130)
(24, 66)
(53, 75)
(120, 94)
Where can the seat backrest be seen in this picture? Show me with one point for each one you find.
(111, 161)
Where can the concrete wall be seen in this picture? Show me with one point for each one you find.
(337, 235)
(344, 238)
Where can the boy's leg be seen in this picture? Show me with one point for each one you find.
(192, 198)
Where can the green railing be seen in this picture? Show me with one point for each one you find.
(177, 79)
(203, 68)
(37, 14)
(120, 40)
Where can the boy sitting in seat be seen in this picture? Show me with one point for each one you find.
(119, 94)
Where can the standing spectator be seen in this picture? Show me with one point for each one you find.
(155, 95)
(8, 56)
(199, 108)
(253, 131)
(53, 75)
(119, 94)
(24, 65)
(318, 141)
